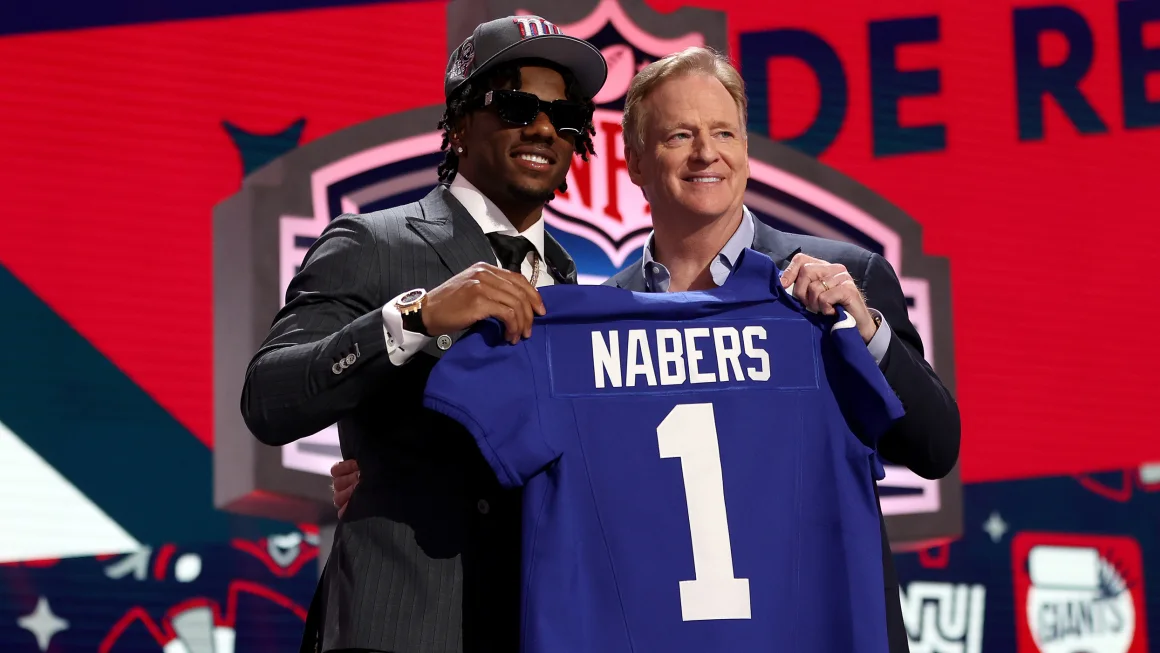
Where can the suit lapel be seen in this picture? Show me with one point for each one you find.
(560, 264)
(771, 242)
(450, 231)
(631, 278)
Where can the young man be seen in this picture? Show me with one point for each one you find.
(425, 559)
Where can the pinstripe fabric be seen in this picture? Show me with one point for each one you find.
(425, 559)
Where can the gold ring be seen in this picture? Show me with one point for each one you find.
(825, 285)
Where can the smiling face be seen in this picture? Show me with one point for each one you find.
(694, 162)
(517, 167)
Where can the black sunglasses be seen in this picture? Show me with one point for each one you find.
(519, 108)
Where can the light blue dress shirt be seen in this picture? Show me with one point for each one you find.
(656, 276)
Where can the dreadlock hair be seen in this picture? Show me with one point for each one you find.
(470, 96)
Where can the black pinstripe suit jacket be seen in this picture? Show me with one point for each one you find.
(426, 557)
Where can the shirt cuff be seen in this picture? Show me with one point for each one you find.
(401, 344)
(881, 340)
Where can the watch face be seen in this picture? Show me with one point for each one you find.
(411, 297)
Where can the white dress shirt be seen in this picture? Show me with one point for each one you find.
(403, 344)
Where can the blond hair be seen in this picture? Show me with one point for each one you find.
(690, 61)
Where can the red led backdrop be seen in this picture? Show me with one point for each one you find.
(1031, 177)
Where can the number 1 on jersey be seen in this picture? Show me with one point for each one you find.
(689, 432)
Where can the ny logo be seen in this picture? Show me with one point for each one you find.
(943, 617)
(534, 26)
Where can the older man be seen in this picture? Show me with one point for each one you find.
(686, 147)
(685, 144)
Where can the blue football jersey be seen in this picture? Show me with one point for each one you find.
(698, 468)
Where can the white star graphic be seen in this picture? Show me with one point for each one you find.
(995, 527)
(42, 623)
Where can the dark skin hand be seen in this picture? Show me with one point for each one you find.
(346, 477)
(479, 292)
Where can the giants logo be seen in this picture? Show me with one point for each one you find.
(602, 220)
(1078, 594)
(943, 616)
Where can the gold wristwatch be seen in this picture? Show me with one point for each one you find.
(410, 307)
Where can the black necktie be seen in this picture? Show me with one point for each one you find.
(511, 250)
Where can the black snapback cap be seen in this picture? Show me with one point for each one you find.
(524, 37)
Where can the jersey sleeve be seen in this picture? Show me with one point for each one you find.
(868, 403)
(487, 385)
